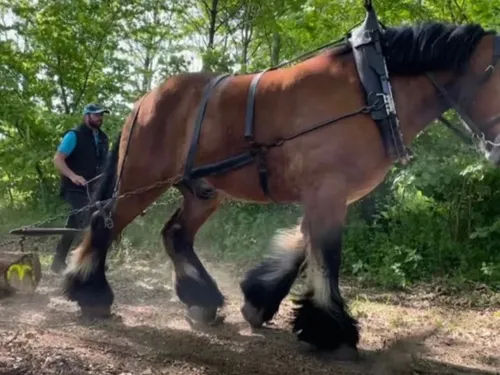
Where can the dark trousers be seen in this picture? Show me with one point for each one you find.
(77, 200)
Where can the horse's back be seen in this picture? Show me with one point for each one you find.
(157, 131)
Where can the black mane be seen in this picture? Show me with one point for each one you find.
(429, 46)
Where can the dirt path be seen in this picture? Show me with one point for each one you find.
(43, 335)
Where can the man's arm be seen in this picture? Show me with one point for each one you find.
(67, 146)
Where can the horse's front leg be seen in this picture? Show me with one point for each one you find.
(194, 286)
(321, 318)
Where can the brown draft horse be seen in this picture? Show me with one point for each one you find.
(432, 67)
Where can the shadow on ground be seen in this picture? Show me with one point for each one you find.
(150, 334)
(224, 350)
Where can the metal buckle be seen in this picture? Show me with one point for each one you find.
(389, 103)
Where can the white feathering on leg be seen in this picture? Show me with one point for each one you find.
(284, 243)
(318, 281)
(80, 262)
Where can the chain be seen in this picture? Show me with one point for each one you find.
(170, 181)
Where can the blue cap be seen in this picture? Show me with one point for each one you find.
(94, 108)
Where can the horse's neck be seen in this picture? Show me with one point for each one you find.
(417, 104)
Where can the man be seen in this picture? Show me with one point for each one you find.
(79, 159)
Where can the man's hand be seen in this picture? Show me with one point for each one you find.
(78, 180)
(62, 167)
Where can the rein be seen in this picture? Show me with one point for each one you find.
(469, 126)
(364, 109)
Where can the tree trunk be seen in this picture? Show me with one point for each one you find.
(275, 49)
(19, 272)
(212, 11)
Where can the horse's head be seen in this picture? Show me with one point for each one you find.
(463, 64)
(485, 104)
(475, 95)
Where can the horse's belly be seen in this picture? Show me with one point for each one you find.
(244, 184)
(359, 188)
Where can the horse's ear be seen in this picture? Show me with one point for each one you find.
(368, 5)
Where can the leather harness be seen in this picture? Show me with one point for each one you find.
(373, 74)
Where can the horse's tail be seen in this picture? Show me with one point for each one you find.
(108, 180)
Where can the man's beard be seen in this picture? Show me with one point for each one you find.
(95, 124)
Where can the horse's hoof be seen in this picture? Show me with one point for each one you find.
(252, 315)
(198, 317)
(96, 312)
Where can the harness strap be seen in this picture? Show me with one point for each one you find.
(257, 149)
(445, 95)
(198, 123)
(249, 119)
(374, 76)
(260, 157)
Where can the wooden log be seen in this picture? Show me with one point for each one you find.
(19, 272)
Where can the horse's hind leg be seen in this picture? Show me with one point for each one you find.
(85, 278)
(322, 319)
(266, 285)
(193, 284)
